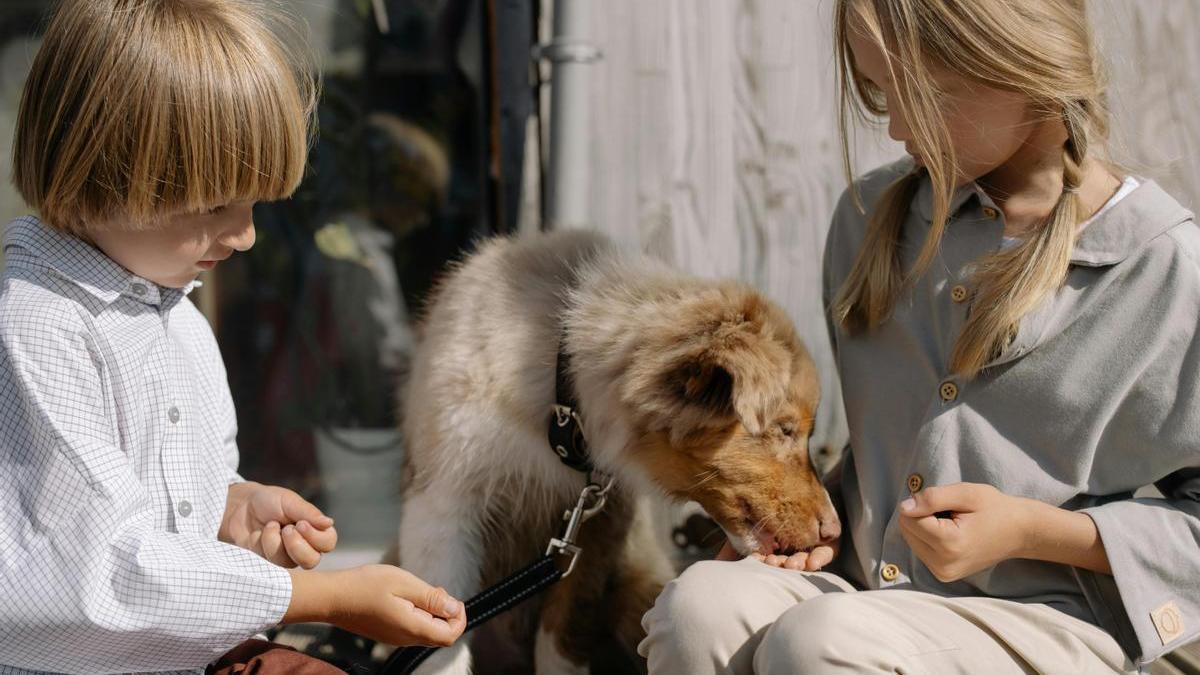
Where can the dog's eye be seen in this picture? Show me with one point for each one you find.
(788, 429)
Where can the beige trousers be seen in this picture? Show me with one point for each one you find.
(748, 617)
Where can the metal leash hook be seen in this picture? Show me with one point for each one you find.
(591, 500)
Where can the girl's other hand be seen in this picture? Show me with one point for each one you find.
(960, 529)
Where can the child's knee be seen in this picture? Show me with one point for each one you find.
(700, 616)
(691, 603)
(830, 633)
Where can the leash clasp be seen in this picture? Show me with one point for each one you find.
(591, 501)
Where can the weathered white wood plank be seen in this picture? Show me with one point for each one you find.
(1155, 65)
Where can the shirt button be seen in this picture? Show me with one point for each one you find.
(915, 482)
(890, 572)
(948, 391)
(185, 508)
(173, 415)
(958, 293)
(139, 289)
(990, 213)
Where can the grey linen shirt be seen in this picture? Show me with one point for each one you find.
(117, 448)
(1097, 396)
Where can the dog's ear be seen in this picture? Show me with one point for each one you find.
(739, 373)
(704, 385)
(722, 356)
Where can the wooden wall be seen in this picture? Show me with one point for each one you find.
(715, 139)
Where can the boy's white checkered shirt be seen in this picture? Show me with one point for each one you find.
(117, 447)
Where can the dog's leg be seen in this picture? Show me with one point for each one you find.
(439, 542)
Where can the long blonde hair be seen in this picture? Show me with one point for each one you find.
(136, 109)
(1043, 49)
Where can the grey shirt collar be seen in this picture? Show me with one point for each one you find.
(1144, 214)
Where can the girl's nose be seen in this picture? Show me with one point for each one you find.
(898, 127)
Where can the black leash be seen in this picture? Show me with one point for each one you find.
(566, 438)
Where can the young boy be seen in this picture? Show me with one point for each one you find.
(147, 130)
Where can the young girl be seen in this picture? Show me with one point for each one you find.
(1015, 327)
(147, 130)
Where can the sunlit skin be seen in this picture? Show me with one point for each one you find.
(172, 253)
(1016, 156)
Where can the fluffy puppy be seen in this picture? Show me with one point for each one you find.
(689, 388)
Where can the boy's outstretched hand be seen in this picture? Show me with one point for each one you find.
(381, 602)
(277, 524)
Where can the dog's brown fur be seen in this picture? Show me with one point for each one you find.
(695, 389)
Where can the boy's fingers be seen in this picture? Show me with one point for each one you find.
(431, 630)
(323, 541)
(296, 509)
(439, 603)
(272, 545)
(432, 599)
(458, 623)
(298, 549)
(254, 543)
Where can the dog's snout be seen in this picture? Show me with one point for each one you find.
(831, 529)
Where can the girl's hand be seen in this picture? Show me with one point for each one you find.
(978, 527)
(380, 602)
(810, 561)
(277, 524)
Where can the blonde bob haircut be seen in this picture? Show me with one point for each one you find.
(1043, 49)
(139, 109)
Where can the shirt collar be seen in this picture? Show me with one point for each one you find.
(29, 241)
(1117, 233)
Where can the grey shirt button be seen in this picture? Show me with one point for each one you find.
(173, 415)
(185, 508)
(139, 289)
